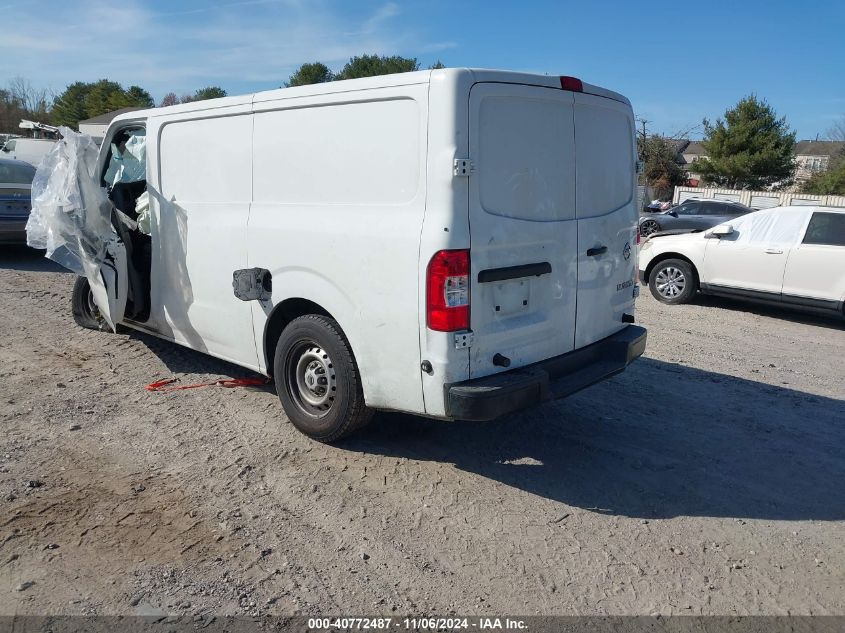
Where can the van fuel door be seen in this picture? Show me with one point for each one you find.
(252, 284)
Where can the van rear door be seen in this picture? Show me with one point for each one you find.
(523, 226)
(607, 216)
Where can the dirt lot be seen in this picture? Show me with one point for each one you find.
(708, 479)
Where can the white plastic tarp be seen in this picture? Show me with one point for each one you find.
(71, 213)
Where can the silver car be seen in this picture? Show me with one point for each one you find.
(15, 199)
(692, 215)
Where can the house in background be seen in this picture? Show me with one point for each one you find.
(810, 157)
(814, 156)
(96, 126)
(691, 151)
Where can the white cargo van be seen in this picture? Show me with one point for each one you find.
(454, 243)
(30, 150)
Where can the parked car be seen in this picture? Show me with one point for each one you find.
(426, 242)
(791, 256)
(692, 215)
(30, 150)
(15, 198)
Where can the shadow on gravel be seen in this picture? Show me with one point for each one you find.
(774, 312)
(181, 360)
(28, 259)
(660, 441)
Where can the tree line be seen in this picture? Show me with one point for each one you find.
(355, 68)
(84, 100)
(80, 101)
(749, 148)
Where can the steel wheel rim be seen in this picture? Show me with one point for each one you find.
(670, 282)
(311, 379)
(648, 227)
(91, 305)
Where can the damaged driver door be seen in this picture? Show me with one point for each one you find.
(109, 282)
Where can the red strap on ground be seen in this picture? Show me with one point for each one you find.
(161, 385)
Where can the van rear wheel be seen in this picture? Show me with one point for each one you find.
(317, 379)
(85, 311)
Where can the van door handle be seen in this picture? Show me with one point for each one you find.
(514, 272)
(598, 250)
(774, 251)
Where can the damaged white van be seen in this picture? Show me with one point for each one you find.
(453, 243)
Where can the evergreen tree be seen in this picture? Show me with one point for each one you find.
(306, 74)
(372, 65)
(750, 149)
(82, 101)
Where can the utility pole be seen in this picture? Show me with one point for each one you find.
(643, 123)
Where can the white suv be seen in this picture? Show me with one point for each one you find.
(787, 255)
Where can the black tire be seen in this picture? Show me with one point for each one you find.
(647, 227)
(85, 313)
(673, 281)
(317, 379)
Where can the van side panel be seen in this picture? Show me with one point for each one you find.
(446, 224)
(200, 209)
(339, 195)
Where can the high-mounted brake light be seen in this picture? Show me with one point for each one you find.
(571, 83)
(447, 291)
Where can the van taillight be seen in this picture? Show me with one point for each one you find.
(638, 236)
(571, 83)
(447, 291)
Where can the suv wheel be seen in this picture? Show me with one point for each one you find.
(673, 281)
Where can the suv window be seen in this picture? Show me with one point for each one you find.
(826, 228)
(688, 208)
(713, 208)
(769, 228)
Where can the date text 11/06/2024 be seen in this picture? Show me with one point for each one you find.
(416, 624)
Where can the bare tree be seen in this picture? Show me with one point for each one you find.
(837, 131)
(32, 100)
(168, 100)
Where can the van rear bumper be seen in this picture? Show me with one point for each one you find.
(493, 396)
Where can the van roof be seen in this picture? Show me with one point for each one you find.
(468, 75)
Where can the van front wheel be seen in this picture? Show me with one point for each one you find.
(317, 379)
(85, 311)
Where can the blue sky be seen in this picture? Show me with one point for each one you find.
(677, 61)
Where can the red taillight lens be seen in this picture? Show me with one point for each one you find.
(638, 236)
(447, 291)
(571, 83)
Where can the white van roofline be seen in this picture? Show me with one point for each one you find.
(457, 75)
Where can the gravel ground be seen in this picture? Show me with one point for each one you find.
(707, 479)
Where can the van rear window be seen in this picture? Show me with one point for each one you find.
(525, 165)
(604, 147)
